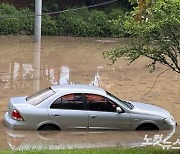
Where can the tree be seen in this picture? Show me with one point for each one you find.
(140, 10)
(157, 37)
(141, 7)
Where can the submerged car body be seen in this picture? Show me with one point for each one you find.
(83, 107)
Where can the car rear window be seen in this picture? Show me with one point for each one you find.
(40, 96)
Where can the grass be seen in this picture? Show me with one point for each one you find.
(117, 150)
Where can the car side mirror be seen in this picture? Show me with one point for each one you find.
(119, 110)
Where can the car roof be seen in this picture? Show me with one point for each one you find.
(78, 88)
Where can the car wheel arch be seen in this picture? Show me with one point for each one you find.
(49, 126)
(147, 126)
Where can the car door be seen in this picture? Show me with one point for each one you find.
(102, 114)
(69, 111)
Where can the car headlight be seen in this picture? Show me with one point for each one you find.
(169, 120)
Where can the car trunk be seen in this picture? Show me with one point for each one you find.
(16, 102)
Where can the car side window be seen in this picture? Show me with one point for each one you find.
(70, 101)
(100, 103)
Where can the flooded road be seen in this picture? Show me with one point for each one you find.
(80, 139)
(25, 69)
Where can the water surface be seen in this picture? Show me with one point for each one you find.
(26, 67)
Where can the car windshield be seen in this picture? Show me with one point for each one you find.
(40, 96)
(125, 103)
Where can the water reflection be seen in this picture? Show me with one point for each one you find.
(57, 75)
(27, 67)
(79, 139)
(54, 75)
(37, 65)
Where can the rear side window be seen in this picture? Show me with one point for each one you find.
(40, 96)
(70, 101)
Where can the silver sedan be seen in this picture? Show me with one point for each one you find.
(63, 107)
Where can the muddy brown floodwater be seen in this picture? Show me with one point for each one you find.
(25, 69)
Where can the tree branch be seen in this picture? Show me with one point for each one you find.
(156, 81)
(175, 38)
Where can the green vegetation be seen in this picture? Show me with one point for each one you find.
(97, 151)
(156, 37)
(13, 21)
(49, 26)
(8, 25)
(82, 22)
(27, 24)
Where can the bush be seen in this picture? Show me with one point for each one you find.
(49, 26)
(118, 28)
(74, 23)
(84, 23)
(27, 20)
(100, 22)
(7, 9)
(65, 23)
(13, 21)
(9, 25)
(117, 22)
(115, 13)
(80, 27)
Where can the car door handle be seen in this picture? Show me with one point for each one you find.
(57, 115)
(94, 116)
